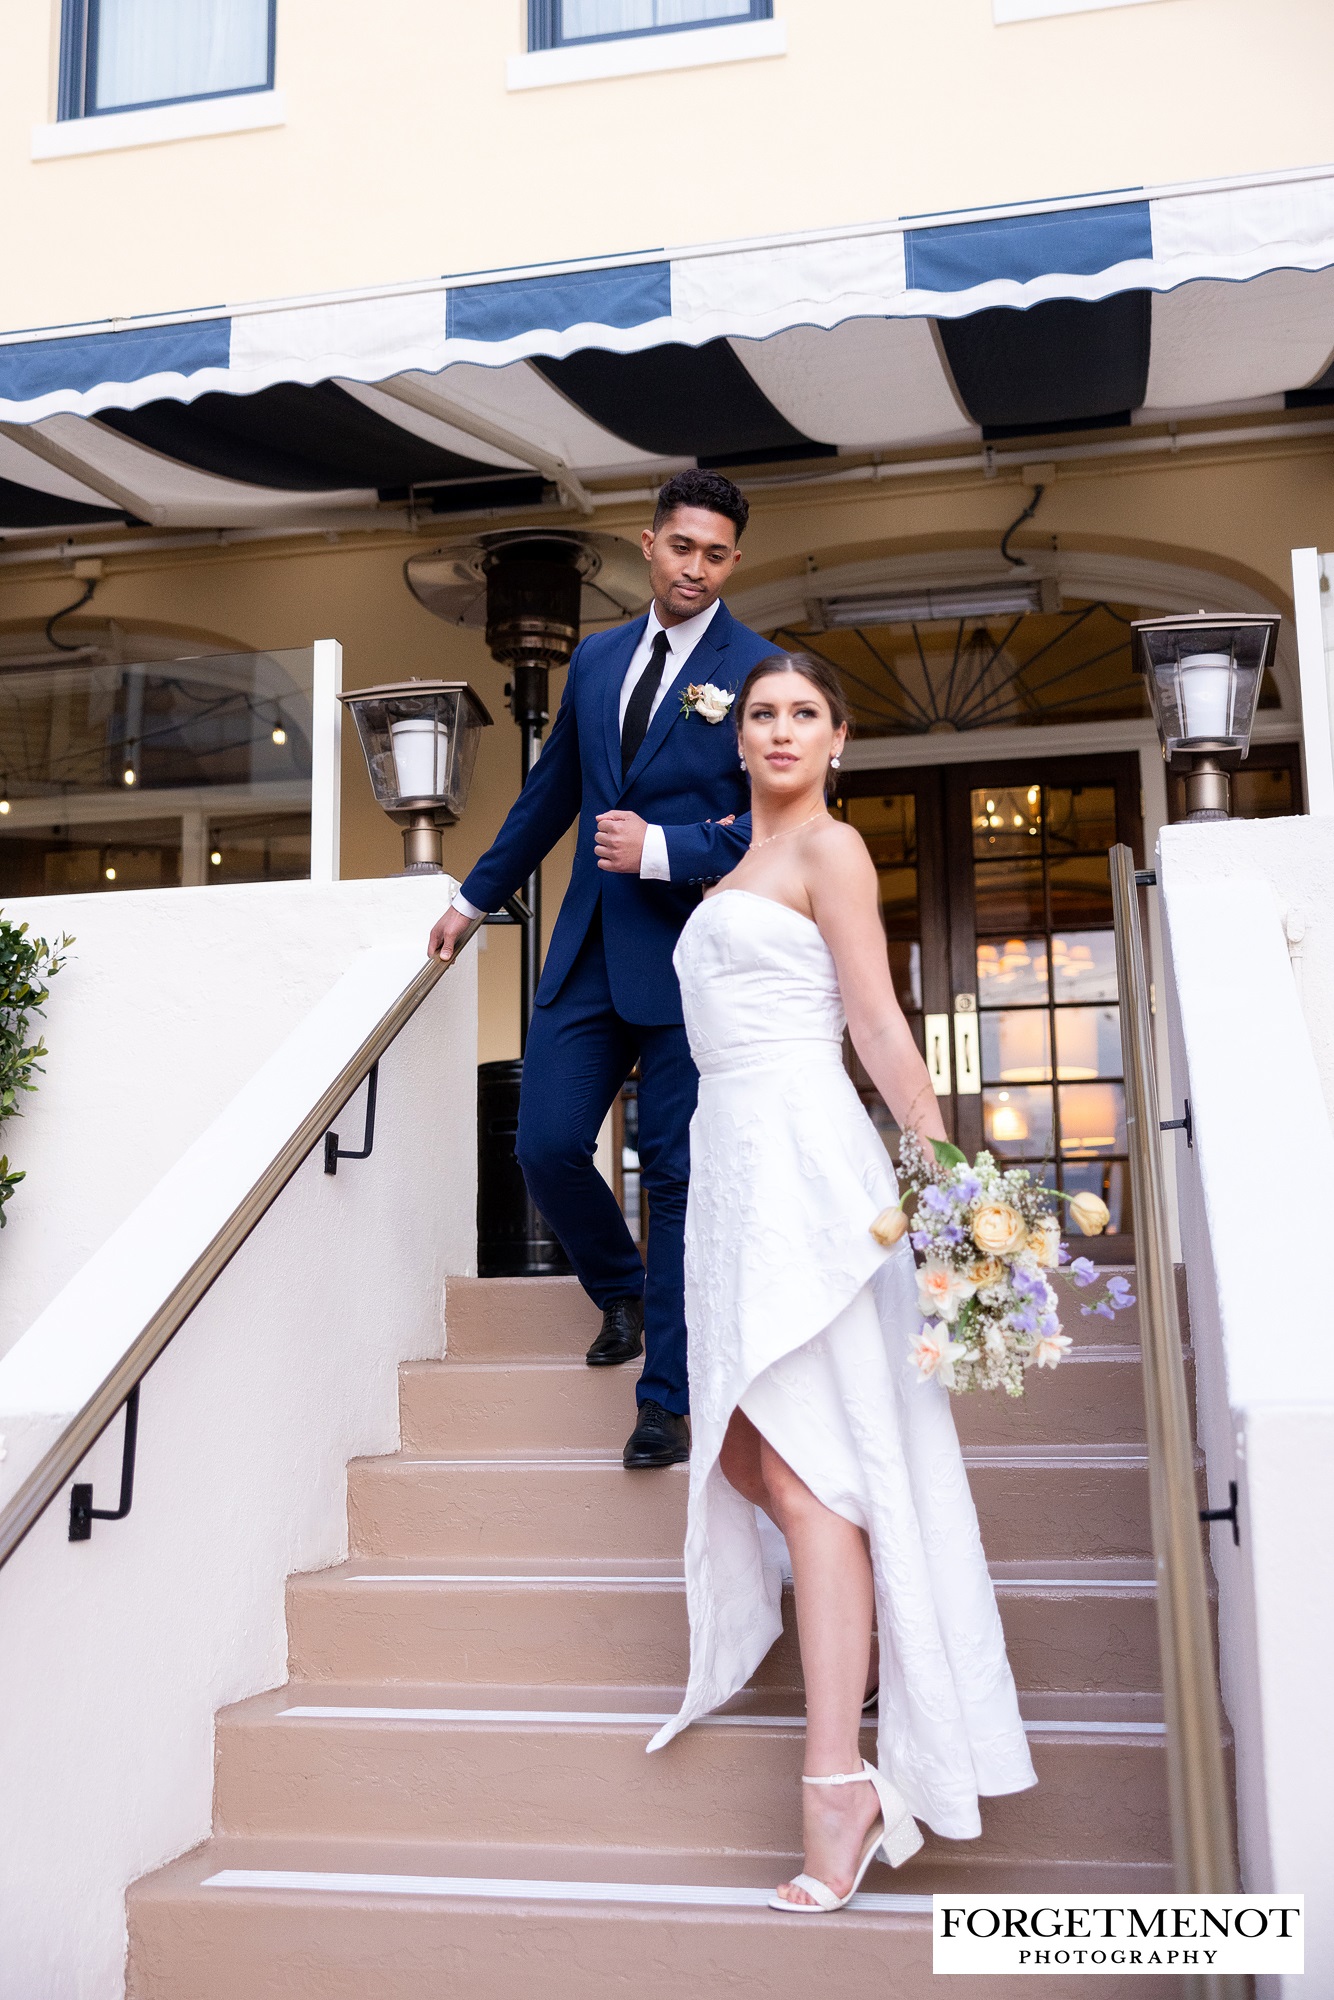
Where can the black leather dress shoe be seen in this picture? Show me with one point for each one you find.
(622, 1335)
(659, 1438)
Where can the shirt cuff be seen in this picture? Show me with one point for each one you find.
(655, 863)
(464, 907)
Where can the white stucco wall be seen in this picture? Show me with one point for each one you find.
(171, 998)
(117, 1652)
(1247, 918)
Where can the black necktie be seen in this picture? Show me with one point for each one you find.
(640, 705)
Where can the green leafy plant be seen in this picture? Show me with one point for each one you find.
(27, 965)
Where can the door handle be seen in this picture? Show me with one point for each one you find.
(938, 1052)
(967, 1046)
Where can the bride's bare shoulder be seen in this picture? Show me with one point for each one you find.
(838, 863)
(836, 845)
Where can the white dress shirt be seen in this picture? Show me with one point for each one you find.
(682, 639)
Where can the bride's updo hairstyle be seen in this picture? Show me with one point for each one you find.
(821, 676)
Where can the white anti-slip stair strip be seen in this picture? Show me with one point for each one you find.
(1089, 1584)
(583, 1582)
(610, 1717)
(507, 1889)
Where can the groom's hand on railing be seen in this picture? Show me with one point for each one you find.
(445, 934)
(619, 842)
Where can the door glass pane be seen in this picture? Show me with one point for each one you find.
(1008, 895)
(1258, 794)
(1006, 820)
(1081, 891)
(1017, 1121)
(150, 51)
(1093, 1118)
(1088, 1043)
(1081, 819)
(1016, 1046)
(1046, 981)
(1083, 967)
(905, 965)
(1011, 971)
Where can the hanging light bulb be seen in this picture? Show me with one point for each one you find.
(279, 735)
(128, 777)
(110, 874)
(215, 858)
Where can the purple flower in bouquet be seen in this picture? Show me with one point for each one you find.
(937, 1201)
(1084, 1272)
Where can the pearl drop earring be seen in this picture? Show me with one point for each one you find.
(836, 763)
(742, 762)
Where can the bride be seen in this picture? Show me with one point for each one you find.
(807, 1406)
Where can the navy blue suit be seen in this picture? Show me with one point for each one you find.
(608, 996)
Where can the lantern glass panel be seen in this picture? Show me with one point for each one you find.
(420, 748)
(1204, 681)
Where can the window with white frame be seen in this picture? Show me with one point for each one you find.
(125, 55)
(559, 24)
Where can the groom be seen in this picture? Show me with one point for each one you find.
(649, 773)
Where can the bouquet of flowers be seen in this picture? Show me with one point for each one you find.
(988, 1235)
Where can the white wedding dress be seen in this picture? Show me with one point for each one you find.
(797, 1316)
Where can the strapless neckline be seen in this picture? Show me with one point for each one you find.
(772, 901)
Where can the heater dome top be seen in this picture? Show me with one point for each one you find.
(450, 581)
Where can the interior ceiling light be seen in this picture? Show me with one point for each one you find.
(929, 607)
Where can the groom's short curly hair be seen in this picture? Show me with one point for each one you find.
(701, 488)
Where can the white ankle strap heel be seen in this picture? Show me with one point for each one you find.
(895, 1835)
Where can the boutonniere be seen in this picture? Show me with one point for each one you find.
(707, 700)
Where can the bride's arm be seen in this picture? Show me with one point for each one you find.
(845, 901)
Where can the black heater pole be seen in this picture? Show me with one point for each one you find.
(530, 701)
(533, 592)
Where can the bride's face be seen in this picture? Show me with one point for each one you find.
(788, 735)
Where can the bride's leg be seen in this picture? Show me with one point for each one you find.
(831, 1571)
(739, 1462)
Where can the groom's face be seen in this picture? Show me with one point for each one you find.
(690, 557)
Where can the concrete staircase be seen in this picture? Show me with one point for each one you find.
(450, 1796)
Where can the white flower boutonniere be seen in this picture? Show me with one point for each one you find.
(707, 700)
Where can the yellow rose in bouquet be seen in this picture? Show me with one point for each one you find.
(998, 1229)
(1090, 1213)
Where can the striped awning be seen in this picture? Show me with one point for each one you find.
(482, 391)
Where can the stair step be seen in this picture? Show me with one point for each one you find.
(473, 1407)
(490, 1319)
(579, 1777)
(335, 1920)
(1069, 1626)
(1049, 1500)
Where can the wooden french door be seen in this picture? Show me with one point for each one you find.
(996, 899)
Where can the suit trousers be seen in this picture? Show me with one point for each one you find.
(579, 1053)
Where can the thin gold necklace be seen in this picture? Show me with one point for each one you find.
(821, 812)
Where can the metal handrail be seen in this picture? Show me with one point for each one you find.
(1200, 1805)
(63, 1458)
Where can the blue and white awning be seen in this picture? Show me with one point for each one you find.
(479, 391)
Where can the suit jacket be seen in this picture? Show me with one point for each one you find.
(685, 778)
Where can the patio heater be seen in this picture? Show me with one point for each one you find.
(1204, 672)
(530, 590)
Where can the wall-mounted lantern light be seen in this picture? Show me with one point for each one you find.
(420, 740)
(1203, 674)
